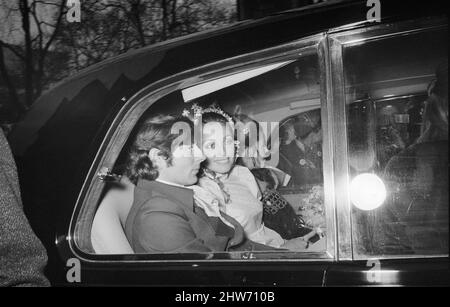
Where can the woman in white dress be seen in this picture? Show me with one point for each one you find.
(234, 186)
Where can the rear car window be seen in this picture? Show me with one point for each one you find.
(397, 126)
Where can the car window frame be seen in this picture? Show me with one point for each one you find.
(134, 107)
(337, 41)
(329, 50)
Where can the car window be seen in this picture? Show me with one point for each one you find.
(281, 103)
(397, 127)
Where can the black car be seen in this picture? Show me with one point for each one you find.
(353, 89)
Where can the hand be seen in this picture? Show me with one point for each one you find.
(306, 162)
(300, 145)
(311, 164)
(309, 235)
(296, 244)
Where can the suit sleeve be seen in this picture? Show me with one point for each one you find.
(244, 243)
(248, 245)
(22, 256)
(161, 226)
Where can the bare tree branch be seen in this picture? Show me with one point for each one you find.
(28, 74)
(13, 50)
(40, 35)
(57, 25)
(15, 102)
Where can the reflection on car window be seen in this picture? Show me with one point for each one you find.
(301, 148)
(288, 180)
(301, 156)
(397, 117)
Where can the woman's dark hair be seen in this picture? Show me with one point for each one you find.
(250, 124)
(208, 117)
(440, 86)
(263, 174)
(155, 132)
(435, 116)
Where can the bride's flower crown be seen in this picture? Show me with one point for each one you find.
(198, 111)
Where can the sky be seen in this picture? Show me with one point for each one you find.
(10, 30)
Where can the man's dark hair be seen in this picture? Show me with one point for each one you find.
(155, 132)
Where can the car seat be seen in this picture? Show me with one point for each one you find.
(107, 234)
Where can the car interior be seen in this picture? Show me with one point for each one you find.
(248, 91)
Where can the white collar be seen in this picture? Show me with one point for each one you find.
(170, 183)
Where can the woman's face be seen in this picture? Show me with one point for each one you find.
(218, 146)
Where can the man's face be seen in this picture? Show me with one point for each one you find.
(185, 165)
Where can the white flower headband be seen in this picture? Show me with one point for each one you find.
(199, 111)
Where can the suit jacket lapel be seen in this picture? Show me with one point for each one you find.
(220, 228)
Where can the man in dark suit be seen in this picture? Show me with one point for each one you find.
(22, 256)
(164, 217)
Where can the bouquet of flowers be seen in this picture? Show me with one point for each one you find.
(312, 209)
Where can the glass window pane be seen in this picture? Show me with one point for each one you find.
(278, 193)
(397, 119)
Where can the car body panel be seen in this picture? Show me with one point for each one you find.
(59, 138)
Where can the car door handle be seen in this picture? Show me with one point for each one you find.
(105, 174)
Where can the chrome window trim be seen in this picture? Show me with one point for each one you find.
(128, 116)
(327, 147)
(378, 31)
(339, 136)
(208, 259)
(337, 41)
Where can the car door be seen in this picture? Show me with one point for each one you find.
(393, 216)
(268, 87)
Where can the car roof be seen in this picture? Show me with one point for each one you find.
(237, 26)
